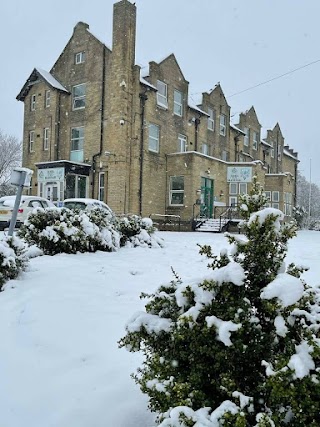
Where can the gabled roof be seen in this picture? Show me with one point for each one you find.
(218, 89)
(252, 111)
(172, 56)
(194, 107)
(36, 75)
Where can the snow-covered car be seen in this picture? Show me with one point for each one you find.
(85, 203)
(27, 204)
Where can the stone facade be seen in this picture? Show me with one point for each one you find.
(139, 143)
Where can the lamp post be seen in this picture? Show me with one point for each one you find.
(21, 178)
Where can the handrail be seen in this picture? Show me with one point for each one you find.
(228, 212)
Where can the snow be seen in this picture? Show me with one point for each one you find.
(302, 362)
(224, 328)
(60, 322)
(51, 80)
(288, 289)
(264, 214)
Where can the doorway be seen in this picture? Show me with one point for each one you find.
(206, 209)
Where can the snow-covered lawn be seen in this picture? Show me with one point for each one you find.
(60, 365)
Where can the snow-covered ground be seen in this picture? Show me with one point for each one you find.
(60, 365)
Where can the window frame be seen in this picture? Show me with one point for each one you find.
(175, 191)
(277, 198)
(162, 98)
(78, 98)
(177, 105)
(205, 148)
(246, 137)
(33, 102)
(279, 152)
(47, 99)
(182, 143)
(245, 185)
(80, 140)
(101, 187)
(235, 203)
(210, 123)
(46, 138)
(223, 124)
(31, 141)
(233, 188)
(255, 138)
(81, 55)
(152, 138)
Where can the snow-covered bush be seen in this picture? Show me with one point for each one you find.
(314, 225)
(137, 231)
(13, 258)
(240, 348)
(58, 230)
(299, 214)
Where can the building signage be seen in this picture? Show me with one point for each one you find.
(239, 174)
(52, 174)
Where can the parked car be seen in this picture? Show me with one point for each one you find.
(27, 204)
(84, 203)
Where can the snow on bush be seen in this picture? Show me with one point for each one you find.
(239, 348)
(13, 258)
(137, 231)
(56, 230)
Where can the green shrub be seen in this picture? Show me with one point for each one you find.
(137, 231)
(13, 259)
(240, 348)
(58, 230)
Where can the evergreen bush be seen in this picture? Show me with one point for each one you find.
(13, 259)
(56, 230)
(137, 231)
(240, 348)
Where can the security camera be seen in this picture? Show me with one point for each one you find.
(121, 122)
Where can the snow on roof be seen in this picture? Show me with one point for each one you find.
(89, 31)
(146, 83)
(196, 108)
(287, 153)
(51, 80)
(237, 129)
(266, 143)
(63, 161)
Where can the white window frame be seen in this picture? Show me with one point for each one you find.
(80, 57)
(246, 138)
(224, 155)
(243, 188)
(177, 103)
(46, 138)
(31, 141)
(47, 99)
(255, 141)
(162, 94)
(33, 103)
(276, 196)
(78, 98)
(233, 188)
(272, 150)
(182, 143)
(233, 201)
(211, 119)
(268, 195)
(223, 124)
(154, 141)
(173, 191)
(279, 152)
(80, 143)
(205, 148)
(275, 205)
(101, 186)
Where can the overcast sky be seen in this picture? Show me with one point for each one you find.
(237, 43)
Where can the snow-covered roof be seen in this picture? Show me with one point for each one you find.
(237, 129)
(33, 78)
(266, 143)
(62, 161)
(52, 81)
(287, 153)
(146, 83)
(196, 108)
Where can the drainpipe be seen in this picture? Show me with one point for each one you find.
(196, 126)
(58, 129)
(94, 157)
(143, 97)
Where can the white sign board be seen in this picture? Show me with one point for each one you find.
(239, 174)
(51, 174)
(21, 173)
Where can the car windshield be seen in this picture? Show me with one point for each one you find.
(7, 203)
(75, 205)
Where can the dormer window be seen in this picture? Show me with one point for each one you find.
(80, 57)
(162, 94)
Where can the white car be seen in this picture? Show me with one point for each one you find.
(27, 204)
(84, 203)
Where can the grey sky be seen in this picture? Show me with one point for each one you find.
(237, 43)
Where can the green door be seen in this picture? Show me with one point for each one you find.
(206, 209)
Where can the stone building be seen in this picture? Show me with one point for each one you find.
(95, 127)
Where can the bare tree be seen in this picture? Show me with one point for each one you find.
(10, 156)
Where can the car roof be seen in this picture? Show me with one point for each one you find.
(83, 199)
(22, 198)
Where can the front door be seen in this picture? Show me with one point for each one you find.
(51, 192)
(206, 209)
